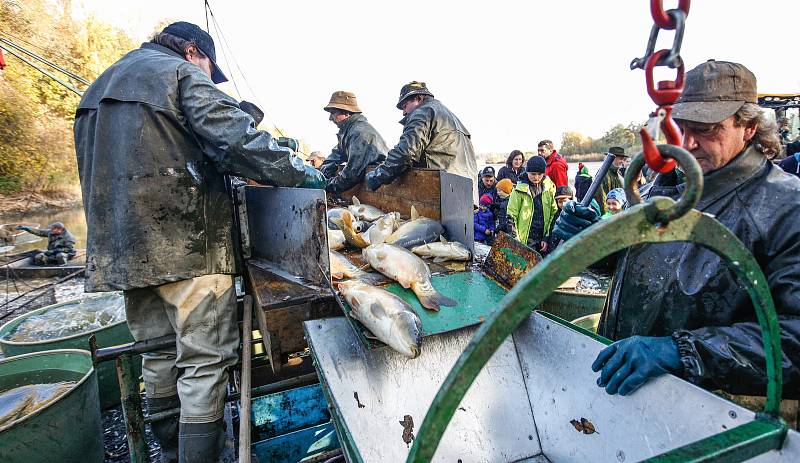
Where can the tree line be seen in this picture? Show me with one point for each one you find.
(577, 146)
(37, 152)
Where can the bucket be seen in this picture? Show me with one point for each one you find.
(68, 429)
(589, 322)
(110, 335)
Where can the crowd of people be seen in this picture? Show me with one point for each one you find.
(524, 199)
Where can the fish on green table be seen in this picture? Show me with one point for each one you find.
(341, 268)
(416, 232)
(443, 250)
(389, 318)
(409, 270)
(365, 211)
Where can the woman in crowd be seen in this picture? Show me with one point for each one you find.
(532, 205)
(513, 169)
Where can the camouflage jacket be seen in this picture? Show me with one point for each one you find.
(432, 138)
(63, 242)
(360, 145)
(154, 138)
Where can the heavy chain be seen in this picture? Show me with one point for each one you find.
(666, 92)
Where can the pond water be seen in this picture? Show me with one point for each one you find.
(74, 219)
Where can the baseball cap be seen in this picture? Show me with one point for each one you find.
(487, 171)
(714, 91)
(193, 33)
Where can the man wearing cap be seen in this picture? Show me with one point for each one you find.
(60, 244)
(556, 164)
(487, 185)
(432, 138)
(316, 159)
(359, 144)
(154, 138)
(677, 307)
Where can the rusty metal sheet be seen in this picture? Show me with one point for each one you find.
(420, 187)
(509, 260)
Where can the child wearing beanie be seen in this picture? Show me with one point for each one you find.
(483, 221)
(504, 188)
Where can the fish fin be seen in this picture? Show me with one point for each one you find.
(371, 278)
(414, 213)
(347, 219)
(432, 299)
(377, 310)
(337, 275)
(368, 334)
(356, 202)
(441, 238)
(438, 259)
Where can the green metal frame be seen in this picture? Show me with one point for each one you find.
(660, 220)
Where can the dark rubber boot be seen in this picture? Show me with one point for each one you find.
(201, 442)
(165, 431)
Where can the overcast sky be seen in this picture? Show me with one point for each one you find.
(514, 72)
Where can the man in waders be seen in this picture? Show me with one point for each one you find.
(677, 307)
(154, 138)
(432, 138)
(60, 244)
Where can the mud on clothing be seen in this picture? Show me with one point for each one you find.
(359, 146)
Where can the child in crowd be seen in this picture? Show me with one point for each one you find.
(532, 205)
(483, 221)
(563, 194)
(615, 202)
(504, 188)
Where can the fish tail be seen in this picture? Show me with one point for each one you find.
(430, 298)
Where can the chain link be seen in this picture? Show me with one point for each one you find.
(666, 92)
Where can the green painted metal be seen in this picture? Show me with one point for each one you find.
(67, 430)
(132, 410)
(734, 445)
(111, 335)
(642, 223)
(570, 304)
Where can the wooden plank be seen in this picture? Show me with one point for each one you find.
(418, 187)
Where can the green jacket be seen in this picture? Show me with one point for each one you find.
(520, 208)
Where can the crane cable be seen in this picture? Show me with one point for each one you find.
(8, 46)
(224, 44)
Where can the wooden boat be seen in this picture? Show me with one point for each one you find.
(25, 268)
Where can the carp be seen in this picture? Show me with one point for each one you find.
(418, 231)
(409, 270)
(345, 224)
(341, 268)
(389, 318)
(443, 250)
(335, 240)
(22, 401)
(334, 215)
(383, 228)
(365, 211)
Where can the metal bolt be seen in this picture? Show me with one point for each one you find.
(732, 414)
(620, 456)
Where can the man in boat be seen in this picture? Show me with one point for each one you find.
(359, 144)
(432, 138)
(677, 307)
(60, 244)
(154, 139)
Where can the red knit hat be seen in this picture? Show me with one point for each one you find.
(486, 200)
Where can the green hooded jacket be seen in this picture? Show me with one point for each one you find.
(520, 208)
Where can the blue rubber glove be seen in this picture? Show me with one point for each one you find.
(372, 181)
(629, 363)
(312, 179)
(573, 219)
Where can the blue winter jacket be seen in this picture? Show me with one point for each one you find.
(483, 221)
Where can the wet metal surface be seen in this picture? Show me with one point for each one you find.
(509, 260)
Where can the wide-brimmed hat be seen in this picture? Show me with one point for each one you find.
(714, 91)
(410, 89)
(193, 33)
(346, 101)
(618, 151)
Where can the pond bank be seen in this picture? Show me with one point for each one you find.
(18, 204)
